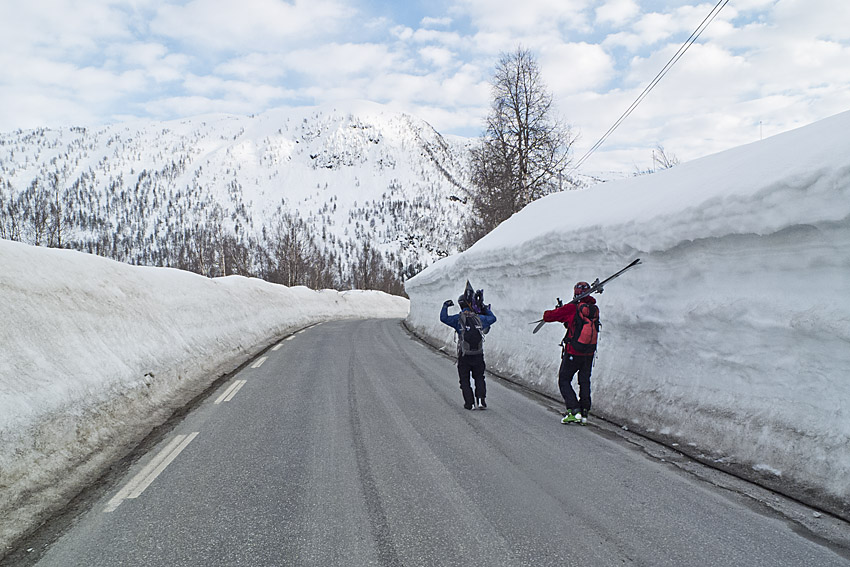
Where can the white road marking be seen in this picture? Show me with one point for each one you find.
(277, 346)
(230, 391)
(259, 362)
(289, 338)
(151, 471)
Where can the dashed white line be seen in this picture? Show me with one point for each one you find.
(277, 346)
(259, 362)
(230, 391)
(151, 471)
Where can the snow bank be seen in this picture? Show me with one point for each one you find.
(96, 353)
(733, 337)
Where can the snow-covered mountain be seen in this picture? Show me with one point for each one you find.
(359, 191)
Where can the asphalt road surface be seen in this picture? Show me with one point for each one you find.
(347, 444)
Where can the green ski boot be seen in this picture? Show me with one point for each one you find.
(571, 418)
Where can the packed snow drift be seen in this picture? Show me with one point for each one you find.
(732, 338)
(95, 353)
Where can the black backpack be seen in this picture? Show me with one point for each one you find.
(470, 339)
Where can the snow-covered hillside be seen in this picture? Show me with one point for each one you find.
(217, 194)
(731, 340)
(94, 353)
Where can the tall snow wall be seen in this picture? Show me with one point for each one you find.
(731, 339)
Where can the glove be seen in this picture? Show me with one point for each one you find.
(448, 303)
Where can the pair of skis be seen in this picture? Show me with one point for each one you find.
(595, 287)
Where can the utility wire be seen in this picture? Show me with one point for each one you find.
(678, 55)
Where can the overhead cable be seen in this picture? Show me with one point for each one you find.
(678, 55)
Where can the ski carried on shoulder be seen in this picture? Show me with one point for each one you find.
(595, 287)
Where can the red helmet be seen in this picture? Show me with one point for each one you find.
(580, 287)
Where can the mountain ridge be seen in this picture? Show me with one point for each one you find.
(354, 184)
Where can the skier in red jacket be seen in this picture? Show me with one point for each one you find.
(582, 322)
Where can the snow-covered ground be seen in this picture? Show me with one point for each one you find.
(95, 353)
(731, 339)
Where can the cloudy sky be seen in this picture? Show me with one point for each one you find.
(762, 67)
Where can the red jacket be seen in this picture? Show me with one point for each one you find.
(567, 314)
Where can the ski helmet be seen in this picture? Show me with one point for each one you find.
(580, 287)
(462, 303)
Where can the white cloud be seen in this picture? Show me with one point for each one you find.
(648, 30)
(748, 75)
(617, 12)
(229, 91)
(336, 61)
(440, 37)
(169, 107)
(821, 19)
(36, 107)
(492, 43)
(256, 67)
(469, 119)
(153, 59)
(706, 69)
(438, 56)
(575, 67)
(402, 33)
(654, 27)
(250, 24)
(465, 88)
(139, 54)
(400, 86)
(72, 28)
(436, 22)
(775, 61)
(528, 17)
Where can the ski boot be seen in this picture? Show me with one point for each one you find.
(570, 417)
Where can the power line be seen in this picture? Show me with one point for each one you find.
(678, 55)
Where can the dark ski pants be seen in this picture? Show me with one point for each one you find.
(570, 364)
(471, 364)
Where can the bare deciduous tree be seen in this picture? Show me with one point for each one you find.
(290, 250)
(36, 210)
(525, 149)
(10, 213)
(58, 222)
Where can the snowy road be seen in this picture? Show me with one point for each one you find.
(348, 445)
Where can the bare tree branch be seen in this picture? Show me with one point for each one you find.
(525, 150)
